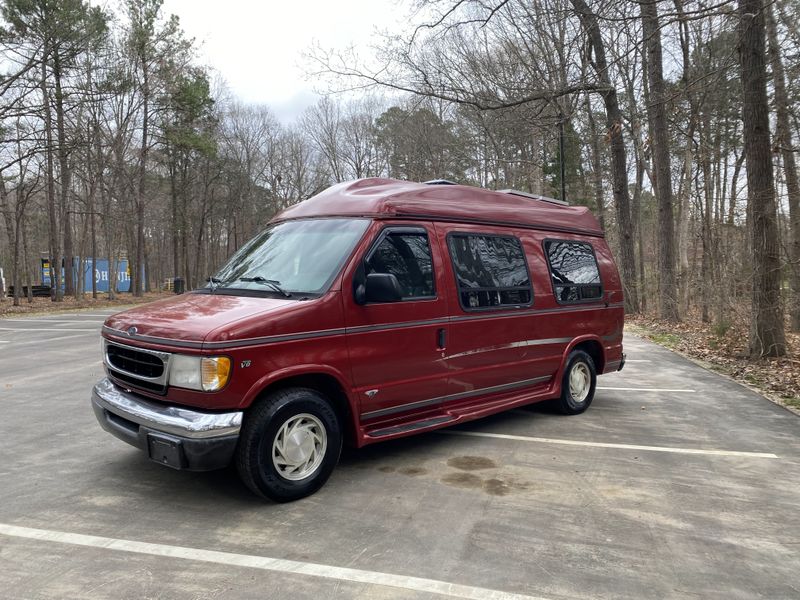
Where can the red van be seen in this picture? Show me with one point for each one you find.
(374, 310)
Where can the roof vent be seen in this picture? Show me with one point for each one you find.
(534, 197)
(440, 182)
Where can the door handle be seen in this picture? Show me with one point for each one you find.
(441, 338)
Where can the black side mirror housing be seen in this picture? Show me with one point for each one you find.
(382, 287)
(360, 285)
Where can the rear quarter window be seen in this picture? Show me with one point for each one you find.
(573, 271)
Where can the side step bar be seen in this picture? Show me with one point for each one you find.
(378, 433)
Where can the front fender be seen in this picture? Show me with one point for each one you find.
(274, 377)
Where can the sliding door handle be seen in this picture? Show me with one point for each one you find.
(441, 338)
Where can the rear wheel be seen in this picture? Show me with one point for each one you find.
(289, 445)
(578, 383)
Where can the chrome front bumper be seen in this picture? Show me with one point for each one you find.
(177, 437)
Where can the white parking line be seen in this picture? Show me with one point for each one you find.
(49, 340)
(61, 330)
(630, 360)
(628, 389)
(49, 321)
(522, 438)
(279, 565)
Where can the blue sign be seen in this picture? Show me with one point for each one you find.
(97, 268)
(101, 274)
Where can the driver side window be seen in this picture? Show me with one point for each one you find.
(406, 255)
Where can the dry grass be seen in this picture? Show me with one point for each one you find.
(46, 306)
(723, 348)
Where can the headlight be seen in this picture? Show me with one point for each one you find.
(207, 373)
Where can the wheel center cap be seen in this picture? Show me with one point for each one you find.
(299, 446)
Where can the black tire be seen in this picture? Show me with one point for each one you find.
(568, 403)
(263, 422)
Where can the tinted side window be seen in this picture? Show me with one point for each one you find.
(490, 270)
(407, 256)
(573, 269)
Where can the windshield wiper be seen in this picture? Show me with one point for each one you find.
(275, 285)
(214, 281)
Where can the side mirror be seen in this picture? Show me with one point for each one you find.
(360, 285)
(382, 287)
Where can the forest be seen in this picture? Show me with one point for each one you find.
(672, 120)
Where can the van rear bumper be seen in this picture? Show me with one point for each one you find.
(613, 366)
(173, 436)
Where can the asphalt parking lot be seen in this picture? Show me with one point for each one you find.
(677, 483)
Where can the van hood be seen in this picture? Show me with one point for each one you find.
(192, 317)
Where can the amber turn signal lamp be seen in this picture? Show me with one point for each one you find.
(214, 372)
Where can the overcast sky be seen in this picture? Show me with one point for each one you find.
(257, 45)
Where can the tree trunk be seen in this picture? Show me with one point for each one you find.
(737, 168)
(597, 168)
(25, 261)
(683, 221)
(137, 272)
(636, 215)
(173, 189)
(657, 116)
(56, 293)
(96, 180)
(65, 173)
(685, 187)
(619, 168)
(783, 142)
(706, 267)
(767, 336)
(15, 265)
(12, 231)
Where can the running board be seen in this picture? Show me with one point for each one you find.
(424, 424)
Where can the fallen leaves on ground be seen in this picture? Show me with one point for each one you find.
(723, 346)
(45, 305)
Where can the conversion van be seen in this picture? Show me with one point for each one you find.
(374, 310)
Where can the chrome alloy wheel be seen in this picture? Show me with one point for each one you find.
(580, 382)
(299, 447)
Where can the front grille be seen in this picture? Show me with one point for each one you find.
(135, 362)
(137, 367)
(145, 384)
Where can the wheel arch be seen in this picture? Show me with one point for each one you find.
(326, 381)
(594, 348)
(590, 344)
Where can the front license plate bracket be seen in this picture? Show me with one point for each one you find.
(165, 450)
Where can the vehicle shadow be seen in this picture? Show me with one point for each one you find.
(138, 476)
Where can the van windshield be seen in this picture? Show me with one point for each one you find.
(292, 257)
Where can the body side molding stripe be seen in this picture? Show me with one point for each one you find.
(452, 397)
(401, 325)
(522, 344)
(272, 339)
(532, 312)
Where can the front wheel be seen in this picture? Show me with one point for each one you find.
(289, 445)
(578, 383)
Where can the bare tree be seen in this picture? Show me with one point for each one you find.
(597, 57)
(767, 331)
(783, 144)
(657, 116)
